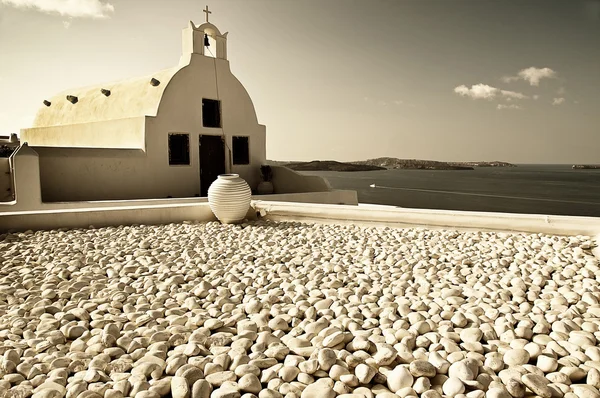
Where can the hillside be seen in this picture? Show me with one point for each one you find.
(330, 165)
(384, 163)
(395, 163)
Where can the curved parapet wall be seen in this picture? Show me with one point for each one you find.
(129, 98)
(289, 181)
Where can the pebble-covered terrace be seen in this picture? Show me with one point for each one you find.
(297, 310)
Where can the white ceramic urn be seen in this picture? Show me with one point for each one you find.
(229, 198)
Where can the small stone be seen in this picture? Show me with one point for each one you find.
(547, 364)
(225, 393)
(593, 377)
(585, 391)
(201, 389)
(453, 387)
(537, 384)
(326, 358)
(399, 378)
(365, 373)
(462, 371)
(218, 378)
(250, 383)
(422, 368)
(471, 335)
(516, 357)
(421, 385)
(319, 389)
(180, 387)
(515, 388)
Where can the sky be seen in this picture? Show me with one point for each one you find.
(450, 80)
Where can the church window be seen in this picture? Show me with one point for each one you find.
(179, 149)
(211, 113)
(241, 150)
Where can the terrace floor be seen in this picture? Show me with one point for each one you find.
(273, 309)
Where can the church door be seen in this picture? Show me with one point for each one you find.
(212, 160)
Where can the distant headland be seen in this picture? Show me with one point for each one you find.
(385, 163)
(586, 166)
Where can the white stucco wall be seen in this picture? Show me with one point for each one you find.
(74, 174)
(180, 112)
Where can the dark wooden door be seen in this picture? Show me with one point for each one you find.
(212, 160)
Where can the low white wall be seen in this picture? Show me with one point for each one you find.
(289, 181)
(400, 217)
(106, 216)
(334, 197)
(154, 211)
(5, 181)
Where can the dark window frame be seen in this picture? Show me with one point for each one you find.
(245, 159)
(211, 118)
(183, 160)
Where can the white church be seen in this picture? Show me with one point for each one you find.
(168, 134)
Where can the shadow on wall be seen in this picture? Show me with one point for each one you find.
(6, 194)
(289, 181)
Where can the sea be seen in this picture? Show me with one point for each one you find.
(525, 189)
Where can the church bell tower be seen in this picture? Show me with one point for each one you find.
(195, 39)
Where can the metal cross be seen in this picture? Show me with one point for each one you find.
(207, 12)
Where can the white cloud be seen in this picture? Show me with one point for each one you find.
(69, 8)
(535, 97)
(561, 91)
(533, 75)
(512, 106)
(558, 101)
(398, 102)
(512, 94)
(484, 91)
(67, 24)
(477, 91)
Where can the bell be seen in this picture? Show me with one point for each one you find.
(206, 42)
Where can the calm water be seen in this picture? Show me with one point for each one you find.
(535, 189)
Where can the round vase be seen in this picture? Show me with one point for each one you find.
(229, 198)
(265, 188)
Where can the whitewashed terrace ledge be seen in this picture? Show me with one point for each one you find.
(377, 215)
(368, 215)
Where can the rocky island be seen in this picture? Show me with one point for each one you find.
(385, 163)
(395, 163)
(494, 163)
(330, 165)
(586, 166)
